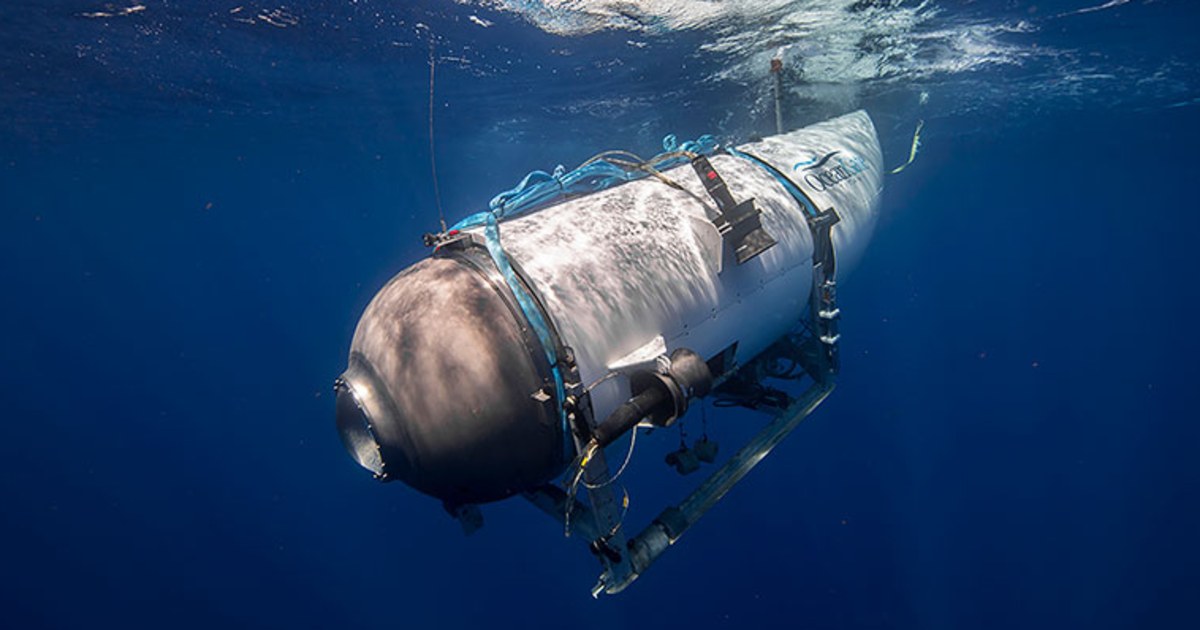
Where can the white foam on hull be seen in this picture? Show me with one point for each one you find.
(619, 268)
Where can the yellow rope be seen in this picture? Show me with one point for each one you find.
(916, 144)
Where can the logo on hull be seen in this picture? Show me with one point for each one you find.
(822, 176)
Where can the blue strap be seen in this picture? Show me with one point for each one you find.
(788, 185)
(539, 188)
(533, 314)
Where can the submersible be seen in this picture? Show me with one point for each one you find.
(538, 332)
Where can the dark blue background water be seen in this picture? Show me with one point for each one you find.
(194, 214)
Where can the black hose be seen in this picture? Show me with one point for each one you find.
(626, 416)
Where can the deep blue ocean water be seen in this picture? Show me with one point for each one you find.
(198, 202)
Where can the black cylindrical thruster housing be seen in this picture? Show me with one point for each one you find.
(451, 385)
(687, 378)
(691, 373)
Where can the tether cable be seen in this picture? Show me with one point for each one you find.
(437, 193)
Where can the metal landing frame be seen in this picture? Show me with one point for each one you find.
(599, 519)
